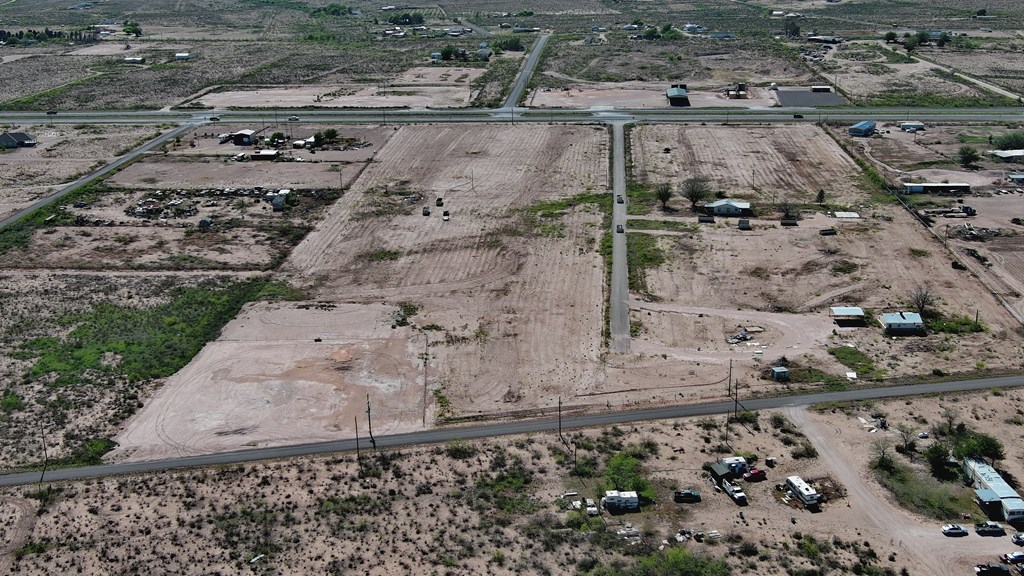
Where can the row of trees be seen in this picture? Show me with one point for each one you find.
(911, 41)
(953, 438)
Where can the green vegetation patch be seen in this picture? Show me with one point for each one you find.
(671, 225)
(671, 562)
(148, 342)
(857, 361)
(643, 254)
(958, 325)
(924, 494)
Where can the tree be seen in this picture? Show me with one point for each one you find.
(277, 137)
(318, 139)
(883, 459)
(330, 135)
(1011, 141)
(787, 208)
(981, 445)
(448, 52)
(663, 192)
(651, 34)
(950, 416)
(791, 29)
(943, 39)
(922, 298)
(907, 435)
(937, 455)
(132, 29)
(911, 43)
(890, 37)
(695, 190)
(820, 198)
(968, 156)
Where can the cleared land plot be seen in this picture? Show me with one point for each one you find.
(638, 95)
(1002, 67)
(904, 154)
(284, 374)
(61, 155)
(507, 330)
(350, 96)
(785, 162)
(162, 172)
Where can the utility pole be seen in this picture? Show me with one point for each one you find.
(359, 454)
(46, 459)
(426, 358)
(560, 420)
(369, 423)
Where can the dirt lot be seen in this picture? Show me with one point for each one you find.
(350, 96)
(749, 162)
(638, 95)
(62, 154)
(317, 515)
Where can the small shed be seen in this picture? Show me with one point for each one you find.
(727, 207)
(896, 323)
(745, 225)
(677, 95)
(865, 128)
(720, 472)
(847, 312)
(780, 374)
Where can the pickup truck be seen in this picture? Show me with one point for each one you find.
(736, 492)
(989, 529)
(688, 495)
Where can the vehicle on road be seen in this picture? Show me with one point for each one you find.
(989, 529)
(688, 495)
(954, 530)
(798, 116)
(619, 199)
(755, 475)
(619, 228)
(445, 215)
(1012, 558)
(1018, 539)
(214, 118)
(293, 118)
(51, 112)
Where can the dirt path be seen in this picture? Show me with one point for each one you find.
(17, 518)
(912, 536)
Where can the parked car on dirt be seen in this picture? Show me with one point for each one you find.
(688, 495)
(755, 475)
(991, 570)
(1012, 558)
(989, 529)
(1018, 539)
(954, 530)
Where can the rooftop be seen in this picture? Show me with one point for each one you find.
(902, 318)
(728, 202)
(847, 311)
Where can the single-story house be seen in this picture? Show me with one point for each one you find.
(902, 323)
(266, 155)
(677, 95)
(16, 140)
(616, 499)
(957, 188)
(727, 207)
(243, 137)
(1015, 178)
(992, 489)
(865, 128)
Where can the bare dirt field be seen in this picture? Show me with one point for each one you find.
(162, 172)
(348, 96)
(1002, 67)
(639, 95)
(283, 374)
(62, 154)
(750, 162)
(494, 506)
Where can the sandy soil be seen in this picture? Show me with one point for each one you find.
(415, 511)
(640, 95)
(63, 153)
(903, 154)
(347, 96)
(282, 374)
(762, 164)
(179, 172)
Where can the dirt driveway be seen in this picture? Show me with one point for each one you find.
(870, 507)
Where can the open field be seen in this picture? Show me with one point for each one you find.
(1004, 67)
(639, 95)
(337, 513)
(62, 154)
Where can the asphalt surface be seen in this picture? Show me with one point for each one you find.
(619, 300)
(527, 72)
(491, 430)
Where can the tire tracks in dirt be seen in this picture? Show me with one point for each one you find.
(21, 531)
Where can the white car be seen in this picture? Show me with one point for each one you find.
(1012, 558)
(1018, 539)
(954, 530)
(922, 435)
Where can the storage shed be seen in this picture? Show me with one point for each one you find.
(243, 137)
(780, 374)
(865, 128)
(677, 95)
(896, 323)
(955, 188)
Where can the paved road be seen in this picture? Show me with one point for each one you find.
(129, 157)
(619, 299)
(505, 428)
(526, 73)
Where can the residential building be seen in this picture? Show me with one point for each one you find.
(727, 207)
(992, 489)
(902, 323)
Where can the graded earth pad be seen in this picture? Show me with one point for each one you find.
(510, 297)
(640, 95)
(285, 374)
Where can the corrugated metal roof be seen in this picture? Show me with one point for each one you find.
(728, 202)
(986, 477)
(986, 496)
(1014, 504)
(901, 318)
(864, 124)
(847, 311)
(676, 93)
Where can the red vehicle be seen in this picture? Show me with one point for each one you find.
(755, 475)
